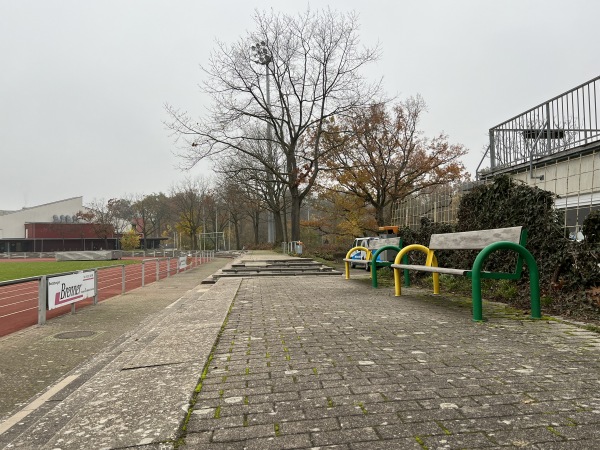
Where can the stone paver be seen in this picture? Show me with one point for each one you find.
(315, 363)
(136, 393)
(322, 362)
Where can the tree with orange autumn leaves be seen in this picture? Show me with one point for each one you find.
(378, 155)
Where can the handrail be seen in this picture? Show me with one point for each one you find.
(570, 120)
(481, 162)
(533, 147)
(48, 275)
(570, 91)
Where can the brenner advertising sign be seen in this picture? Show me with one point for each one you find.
(183, 263)
(69, 289)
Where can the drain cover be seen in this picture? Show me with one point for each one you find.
(74, 334)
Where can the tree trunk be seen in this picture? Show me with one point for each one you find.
(295, 214)
(278, 227)
(285, 226)
(255, 224)
(194, 240)
(236, 228)
(380, 215)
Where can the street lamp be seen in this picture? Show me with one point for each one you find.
(263, 56)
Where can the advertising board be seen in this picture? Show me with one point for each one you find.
(68, 289)
(183, 263)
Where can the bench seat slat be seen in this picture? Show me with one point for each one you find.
(431, 269)
(357, 261)
(474, 240)
(364, 262)
(382, 242)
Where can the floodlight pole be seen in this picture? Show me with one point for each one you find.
(264, 57)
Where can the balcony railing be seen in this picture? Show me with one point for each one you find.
(565, 122)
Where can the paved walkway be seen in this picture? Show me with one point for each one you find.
(38, 360)
(306, 362)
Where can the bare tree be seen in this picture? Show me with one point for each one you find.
(150, 211)
(188, 199)
(244, 180)
(314, 62)
(109, 219)
(253, 177)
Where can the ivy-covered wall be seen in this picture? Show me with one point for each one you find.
(569, 270)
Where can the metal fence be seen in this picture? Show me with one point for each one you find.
(23, 301)
(575, 181)
(567, 121)
(131, 254)
(293, 247)
(439, 204)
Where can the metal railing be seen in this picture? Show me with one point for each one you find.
(564, 122)
(293, 247)
(438, 204)
(131, 254)
(23, 302)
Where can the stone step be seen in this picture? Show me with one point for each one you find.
(273, 267)
(277, 269)
(272, 274)
(276, 263)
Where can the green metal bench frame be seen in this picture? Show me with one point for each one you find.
(476, 273)
(377, 264)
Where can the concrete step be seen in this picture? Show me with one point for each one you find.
(272, 274)
(278, 269)
(272, 267)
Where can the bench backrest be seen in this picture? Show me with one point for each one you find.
(382, 242)
(474, 240)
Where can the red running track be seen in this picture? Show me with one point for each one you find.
(19, 302)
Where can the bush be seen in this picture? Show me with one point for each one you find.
(591, 228)
(569, 270)
(508, 203)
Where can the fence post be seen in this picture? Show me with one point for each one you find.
(168, 267)
(42, 294)
(95, 287)
(123, 279)
(157, 269)
(143, 272)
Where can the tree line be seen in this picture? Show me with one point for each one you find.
(191, 208)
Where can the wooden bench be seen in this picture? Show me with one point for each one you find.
(487, 241)
(373, 251)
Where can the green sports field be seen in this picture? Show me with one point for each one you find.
(10, 270)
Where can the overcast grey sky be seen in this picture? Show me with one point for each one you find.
(83, 83)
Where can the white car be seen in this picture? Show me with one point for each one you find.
(361, 254)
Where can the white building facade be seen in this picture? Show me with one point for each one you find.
(12, 223)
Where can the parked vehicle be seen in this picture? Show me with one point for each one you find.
(361, 254)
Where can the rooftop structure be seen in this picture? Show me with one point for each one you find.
(554, 146)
